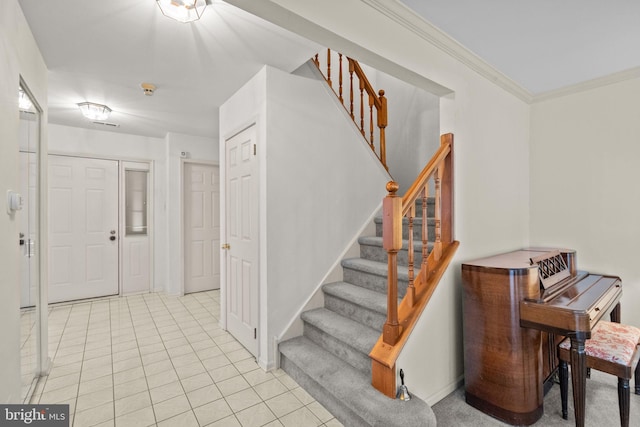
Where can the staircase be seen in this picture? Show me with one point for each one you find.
(331, 359)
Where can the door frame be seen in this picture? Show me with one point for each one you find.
(182, 184)
(43, 363)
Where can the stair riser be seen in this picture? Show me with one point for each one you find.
(372, 281)
(355, 312)
(355, 358)
(338, 409)
(376, 253)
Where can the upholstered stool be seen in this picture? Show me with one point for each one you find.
(613, 348)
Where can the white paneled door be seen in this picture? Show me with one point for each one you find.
(242, 238)
(83, 227)
(201, 227)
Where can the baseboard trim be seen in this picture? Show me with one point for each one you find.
(445, 391)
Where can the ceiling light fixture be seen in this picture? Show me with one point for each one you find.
(94, 111)
(182, 10)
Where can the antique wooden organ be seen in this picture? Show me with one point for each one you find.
(517, 307)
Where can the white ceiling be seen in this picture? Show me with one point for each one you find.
(543, 45)
(100, 51)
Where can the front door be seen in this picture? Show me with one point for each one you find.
(201, 227)
(242, 238)
(83, 227)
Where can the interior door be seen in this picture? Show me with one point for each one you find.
(201, 227)
(83, 240)
(242, 238)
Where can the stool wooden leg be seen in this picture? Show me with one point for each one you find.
(636, 377)
(564, 387)
(624, 400)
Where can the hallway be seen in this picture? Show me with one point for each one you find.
(152, 359)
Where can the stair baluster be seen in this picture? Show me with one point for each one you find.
(351, 71)
(424, 270)
(411, 290)
(362, 111)
(340, 79)
(437, 245)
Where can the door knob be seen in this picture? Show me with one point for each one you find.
(112, 238)
(226, 246)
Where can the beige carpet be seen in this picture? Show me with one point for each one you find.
(602, 407)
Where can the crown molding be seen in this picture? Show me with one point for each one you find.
(406, 17)
(621, 76)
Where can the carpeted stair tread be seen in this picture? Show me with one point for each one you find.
(372, 300)
(417, 221)
(329, 378)
(377, 241)
(374, 267)
(350, 332)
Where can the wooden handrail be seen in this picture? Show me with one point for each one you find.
(377, 100)
(402, 318)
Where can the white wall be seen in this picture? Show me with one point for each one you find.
(313, 200)
(584, 181)
(491, 128)
(323, 184)
(413, 133)
(19, 56)
(165, 156)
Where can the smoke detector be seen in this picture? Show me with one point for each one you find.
(148, 88)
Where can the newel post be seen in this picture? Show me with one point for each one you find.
(446, 199)
(382, 124)
(392, 243)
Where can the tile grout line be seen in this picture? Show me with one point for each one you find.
(140, 354)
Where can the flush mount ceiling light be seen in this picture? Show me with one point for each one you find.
(182, 10)
(94, 111)
(148, 88)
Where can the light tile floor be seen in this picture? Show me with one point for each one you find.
(157, 360)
